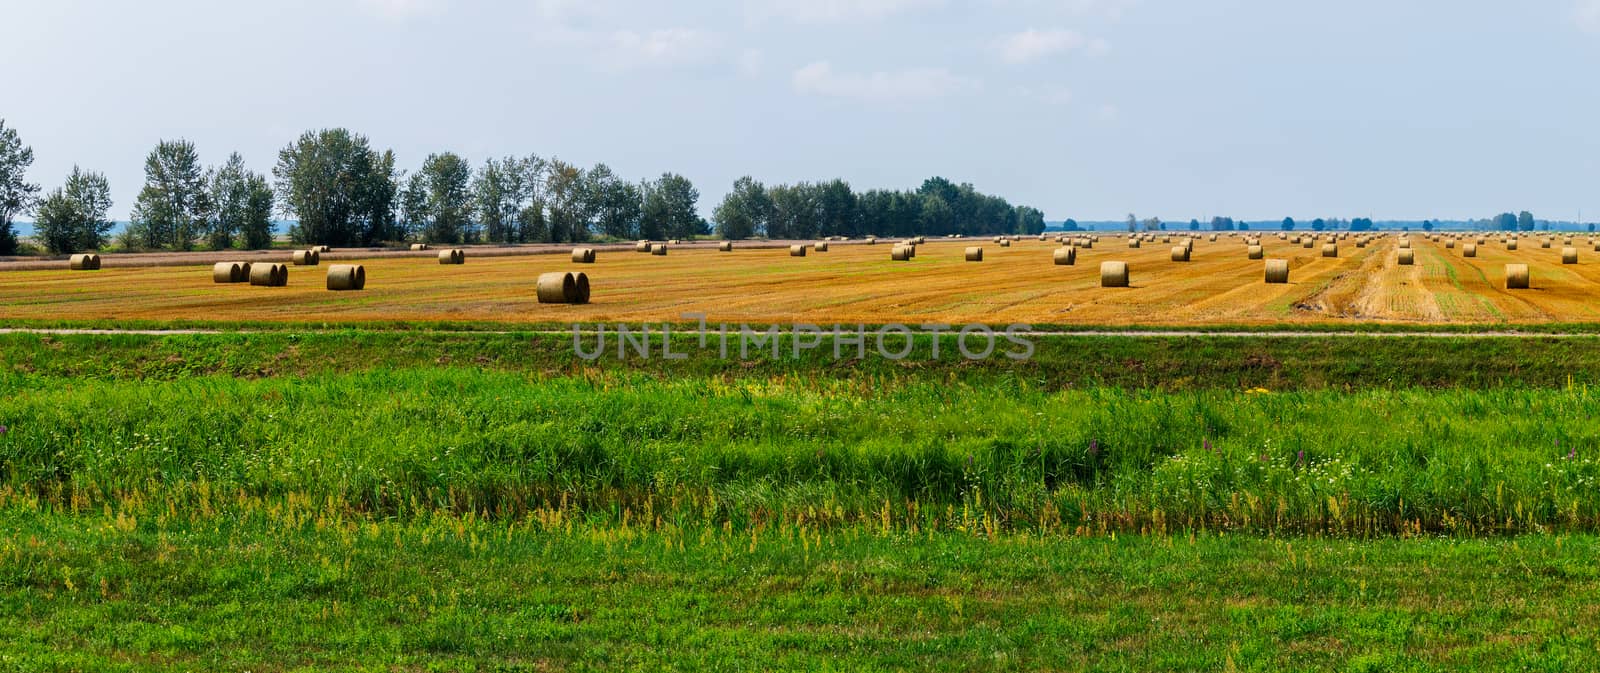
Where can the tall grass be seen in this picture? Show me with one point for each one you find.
(993, 456)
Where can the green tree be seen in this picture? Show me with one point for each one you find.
(1031, 221)
(1132, 222)
(341, 191)
(73, 217)
(174, 206)
(838, 209)
(616, 203)
(744, 212)
(241, 207)
(670, 209)
(1525, 221)
(794, 211)
(570, 208)
(508, 199)
(445, 181)
(17, 195)
(1288, 224)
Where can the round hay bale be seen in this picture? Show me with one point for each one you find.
(1277, 271)
(819, 247)
(674, 242)
(1066, 256)
(1213, 238)
(1005, 243)
(1133, 242)
(1113, 274)
(453, 256)
(727, 246)
(580, 289)
(1255, 252)
(658, 249)
(872, 241)
(347, 277)
(1517, 276)
(556, 287)
(797, 250)
(307, 257)
(1308, 242)
(1469, 250)
(417, 247)
(1450, 244)
(269, 275)
(901, 253)
(1569, 255)
(1511, 245)
(641, 246)
(1544, 243)
(1407, 257)
(84, 262)
(1330, 250)
(227, 272)
(1180, 253)
(583, 255)
(974, 254)
(1405, 243)
(321, 248)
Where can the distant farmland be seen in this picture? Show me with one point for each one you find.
(858, 283)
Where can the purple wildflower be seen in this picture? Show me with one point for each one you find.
(1206, 444)
(969, 460)
(1572, 453)
(1094, 447)
(3, 429)
(1300, 456)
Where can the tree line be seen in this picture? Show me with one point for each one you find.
(337, 189)
(810, 210)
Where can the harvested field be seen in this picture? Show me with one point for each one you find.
(859, 283)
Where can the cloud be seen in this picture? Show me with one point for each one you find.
(399, 10)
(1587, 14)
(820, 79)
(832, 11)
(1048, 96)
(656, 48)
(1109, 113)
(1031, 45)
(751, 62)
(1110, 9)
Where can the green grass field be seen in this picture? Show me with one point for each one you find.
(400, 501)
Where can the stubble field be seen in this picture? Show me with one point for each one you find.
(856, 283)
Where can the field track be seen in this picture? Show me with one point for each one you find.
(857, 283)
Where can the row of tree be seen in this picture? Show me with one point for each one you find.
(811, 210)
(339, 190)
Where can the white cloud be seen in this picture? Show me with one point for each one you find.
(820, 79)
(1110, 9)
(751, 62)
(1031, 45)
(664, 47)
(1587, 14)
(1109, 113)
(832, 11)
(399, 10)
(1048, 96)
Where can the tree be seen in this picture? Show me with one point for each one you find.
(795, 211)
(1133, 222)
(1591, 226)
(1427, 226)
(73, 217)
(1070, 225)
(341, 191)
(1153, 224)
(444, 183)
(241, 207)
(508, 199)
(569, 206)
(1288, 224)
(669, 209)
(174, 206)
(1194, 225)
(744, 212)
(1030, 221)
(1525, 221)
(837, 209)
(617, 203)
(1505, 222)
(1319, 224)
(17, 195)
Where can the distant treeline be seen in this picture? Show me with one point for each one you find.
(339, 190)
(1503, 222)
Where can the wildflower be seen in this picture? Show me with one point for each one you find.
(1572, 453)
(1300, 456)
(1094, 447)
(1206, 444)
(3, 429)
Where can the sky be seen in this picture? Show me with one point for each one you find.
(1090, 109)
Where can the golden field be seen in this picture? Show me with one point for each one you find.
(854, 283)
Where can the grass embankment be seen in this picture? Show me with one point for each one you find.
(275, 501)
(163, 586)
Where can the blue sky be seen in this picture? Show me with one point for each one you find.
(1085, 108)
